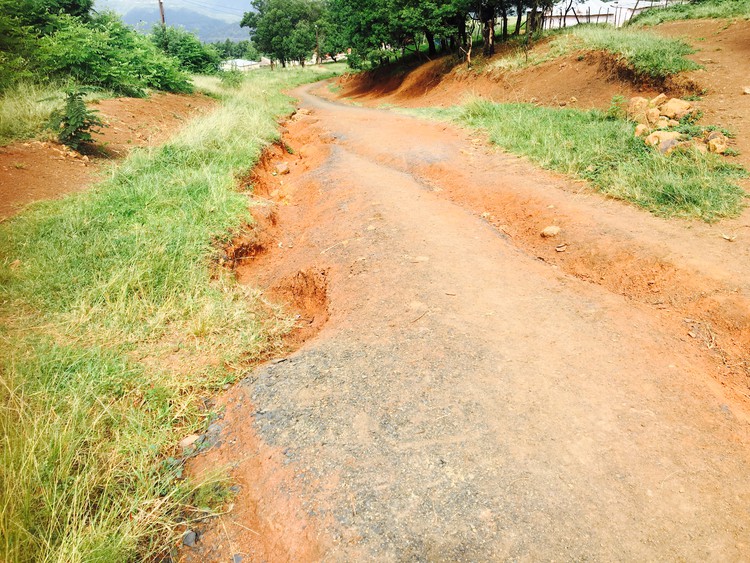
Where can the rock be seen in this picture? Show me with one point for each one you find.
(669, 146)
(656, 138)
(637, 109)
(573, 100)
(551, 231)
(282, 168)
(189, 538)
(719, 146)
(676, 108)
(641, 130)
(653, 116)
(663, 123)
(214, 428)
(658, 100)
(15, 264)
(673, 123)
(717, 142)
(188, 441)
(237, 558)
(746, 90)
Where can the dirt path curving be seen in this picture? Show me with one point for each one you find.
(475, 394)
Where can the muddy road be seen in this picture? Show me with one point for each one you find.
(480, 392)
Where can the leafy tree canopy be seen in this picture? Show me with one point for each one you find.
(286, 30)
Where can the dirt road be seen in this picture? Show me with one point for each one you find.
(467, 400)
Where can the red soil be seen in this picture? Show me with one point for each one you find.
(38, 170)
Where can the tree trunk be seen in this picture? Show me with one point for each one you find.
(505, 24)
(430, 43)
(488, 31)
(462, 31)
(519, 17)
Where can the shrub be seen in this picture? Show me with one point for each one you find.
(195, 57)
(108, 54)
(74, 123)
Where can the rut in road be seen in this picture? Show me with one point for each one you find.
(465, 401)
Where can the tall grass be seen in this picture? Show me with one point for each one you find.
(604, 151)
(25, 108)
(646, 54)
(113, 323)
(694, 10)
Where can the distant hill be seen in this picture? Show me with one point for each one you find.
(210, 20)
(206, 28)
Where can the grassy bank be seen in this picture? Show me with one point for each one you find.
(694, 10)
(113, 324)
(25, 108)
(647, 54)
(590, 146)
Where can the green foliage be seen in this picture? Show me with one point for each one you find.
(97, 288)
(284, 29)
(588, 145)
(74, 123)
(647, 54)
(696, 9)
(42, 15)
(108, 54)
(237, 50)
(231, 78)
(194, 56)
(618, 108)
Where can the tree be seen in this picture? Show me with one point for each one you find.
(42, 14)
(187, 48)
(284, 29)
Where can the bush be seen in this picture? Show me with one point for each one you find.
(74, 123)
(195, 57)
(108, 54)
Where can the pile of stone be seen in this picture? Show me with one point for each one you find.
(657, 116)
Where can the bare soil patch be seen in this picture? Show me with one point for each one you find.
(467, 400)
(37, 170)
(469, 397)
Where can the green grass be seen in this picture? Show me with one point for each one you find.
(694, 10)
(590, 146)
(25, 109)
(646, 54)
(113, 323)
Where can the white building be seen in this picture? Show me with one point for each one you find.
(242, 65)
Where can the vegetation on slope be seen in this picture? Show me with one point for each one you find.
(647, 54)
(113, 323)
(603, 150)
(694, 10)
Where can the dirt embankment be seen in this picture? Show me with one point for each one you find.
(582, 80)
(37, 170)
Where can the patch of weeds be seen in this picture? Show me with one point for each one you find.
(604, 151)
(647, 54)
(75, 122)
(618, 108)
(694, 10)
(731, 152)
(232, 79)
